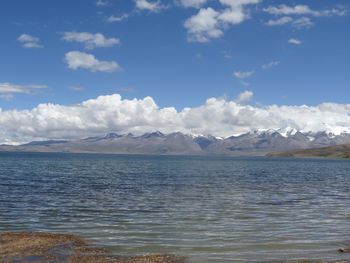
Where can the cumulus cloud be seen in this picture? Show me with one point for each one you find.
(77, 59)
(244, 97)
(29, 41)
(294, 41)
(232, 16)
(243, 74)
(89, 40)
(192, 3)
(209, 23)
(270, 64)
(203, 26)
(152, 6)
(217, 116)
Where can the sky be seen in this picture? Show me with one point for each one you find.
(75, 68)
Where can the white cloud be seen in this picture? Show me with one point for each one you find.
(243, 74)
(289, 10)
(9, 88)
(294, 41)
(233, 16)
(300, 10)
(77, 59)
(304, 10)
(76, 88)
(271, 64)
(209, 24)
(244, 97)
(280, 21)
(235, 3)
(219, 117)
(90, 41)
(302, 22)
(192, 3)
(102, 2)
(152, 6)
(113, 19)
(29, 41)
(204, 26)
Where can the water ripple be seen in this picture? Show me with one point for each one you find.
(210, 209)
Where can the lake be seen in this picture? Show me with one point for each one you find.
(210, 209)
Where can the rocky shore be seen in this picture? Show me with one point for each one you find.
(47, 247)
(26, 247)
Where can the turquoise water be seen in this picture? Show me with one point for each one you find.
(209, 209)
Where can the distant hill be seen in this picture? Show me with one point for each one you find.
(338, 151)
(254, 143)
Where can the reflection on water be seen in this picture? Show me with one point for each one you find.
(209, 209)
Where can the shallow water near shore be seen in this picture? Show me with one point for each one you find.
(210, 209)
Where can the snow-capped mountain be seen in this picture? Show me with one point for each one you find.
(256, 142)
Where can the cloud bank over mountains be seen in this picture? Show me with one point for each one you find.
(217, 116)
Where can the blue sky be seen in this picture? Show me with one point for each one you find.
(159, 59)
(72, 69)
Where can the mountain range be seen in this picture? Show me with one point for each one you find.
(254, 143)
(337, 151)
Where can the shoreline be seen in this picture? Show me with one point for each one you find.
(40, 247)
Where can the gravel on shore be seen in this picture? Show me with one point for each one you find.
(23, 247)
(38, 247)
